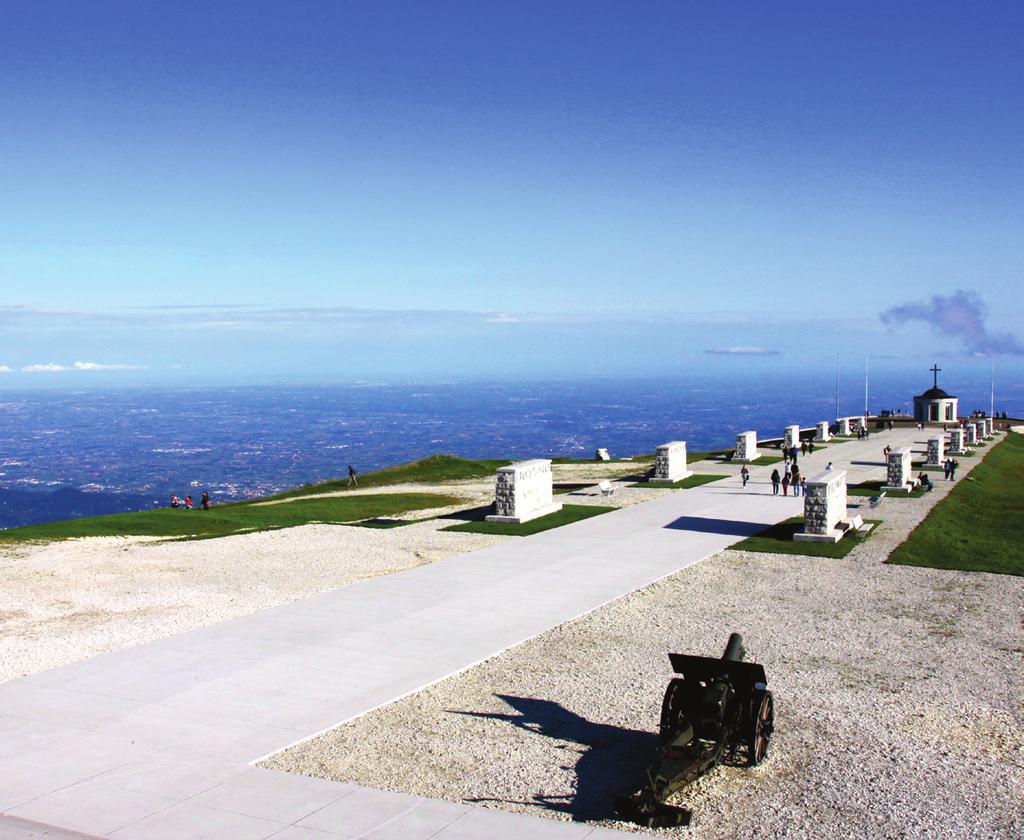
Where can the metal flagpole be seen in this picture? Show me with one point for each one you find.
(865, 388)
(837, 386)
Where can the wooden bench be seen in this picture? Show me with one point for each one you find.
(606, 488)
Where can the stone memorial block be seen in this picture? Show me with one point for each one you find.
(824, 507)
(791, 437)
(970, 435)
(746, 447)
(670, 462)
(936, 452)
(844, 426)
(956, 441)
(602, 455)
(821, 432)
(979, 426)
(990, 427)
(523, 492)
(857, 423)
(899, 476)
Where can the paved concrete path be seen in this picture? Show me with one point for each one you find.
(158, 741)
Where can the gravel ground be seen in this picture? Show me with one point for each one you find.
(70, 600)
(898, 695)
(66, 601)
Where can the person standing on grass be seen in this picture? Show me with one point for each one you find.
(205, 500)
(775, 482)
(745, 475)
(352, 477)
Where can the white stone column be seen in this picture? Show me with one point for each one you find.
(970, 435)
(936, 451)
(824, 507)
(979, 426)
(524, 491)
(746, 447)
(899, 478)
(990, 427)
(791, 436)
(821, 433)
(670, 462)
(956, 441)
(844, 426)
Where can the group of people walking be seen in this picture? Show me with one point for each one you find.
(949, 468)
(790, 478)
(187, 501)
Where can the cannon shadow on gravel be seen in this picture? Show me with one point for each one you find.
(611, 759)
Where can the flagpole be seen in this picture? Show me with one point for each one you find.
(865, 388)
(837, 386)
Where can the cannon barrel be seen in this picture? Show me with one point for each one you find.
(734, 650)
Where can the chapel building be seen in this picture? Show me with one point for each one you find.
(935, 405)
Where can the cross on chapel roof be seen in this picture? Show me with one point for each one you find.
(935, 374)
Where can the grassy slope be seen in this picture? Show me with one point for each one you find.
(979, 526)
(434, 469)
(568, 513)
(222, 520)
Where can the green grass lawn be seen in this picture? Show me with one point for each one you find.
(779, 540)
(979, 526)
(435, 469)
(873, 488)
(695, 480)
(568, 514)
(765, 460)
(223, 520)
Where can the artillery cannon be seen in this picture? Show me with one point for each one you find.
(716, 711)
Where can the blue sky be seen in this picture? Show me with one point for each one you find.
(312, 191)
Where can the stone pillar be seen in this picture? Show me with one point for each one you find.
(899, 478)
(821, 433)
(791, 437)
(956, 441)
(970, 435)
(746, 447)
(602, 455)
(670, 462)
(824, 507)
(936, 452)
(844, 426)
(990, 427)
(979, 425)
(523, 492)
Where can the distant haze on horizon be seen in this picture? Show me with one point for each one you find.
(225, 192)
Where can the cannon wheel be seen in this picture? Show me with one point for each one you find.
(672, 708)
(761, 728)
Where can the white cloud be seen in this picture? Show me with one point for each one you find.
(4, 369)
(51, 367)
(743, 351)
(98, 366)
(47, 368)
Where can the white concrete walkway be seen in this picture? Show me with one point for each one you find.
(158, 741)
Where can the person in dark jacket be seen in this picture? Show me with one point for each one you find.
(775, 482)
